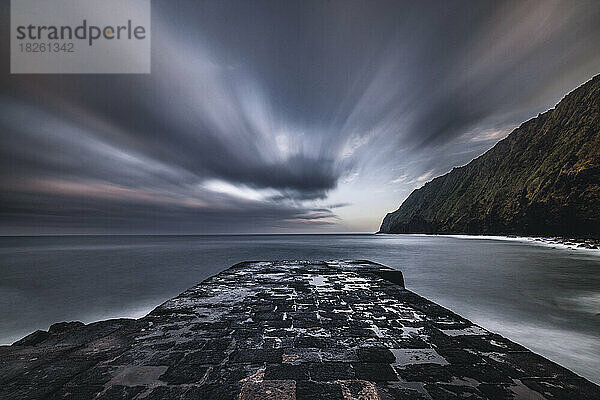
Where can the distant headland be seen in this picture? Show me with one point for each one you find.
(541, 180)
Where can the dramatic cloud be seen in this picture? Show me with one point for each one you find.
(282, 116)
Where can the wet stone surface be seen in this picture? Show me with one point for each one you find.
(285, 330)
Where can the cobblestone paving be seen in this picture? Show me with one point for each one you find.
(285, 330)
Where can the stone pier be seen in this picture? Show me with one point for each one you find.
(285, 330)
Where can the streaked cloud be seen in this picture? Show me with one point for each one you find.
(282, 116)
(238, 191)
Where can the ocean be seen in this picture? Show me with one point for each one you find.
(544, 297)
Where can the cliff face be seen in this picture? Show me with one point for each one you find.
(542, 179)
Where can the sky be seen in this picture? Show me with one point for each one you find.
(281, 117)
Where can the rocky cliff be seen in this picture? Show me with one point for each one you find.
(542, 179)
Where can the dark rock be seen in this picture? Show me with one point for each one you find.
(429, 373)
(229, 374)
(499, 392)
(376, 355)
(202, 357)
(256, 356)
(388, 391)
(308, 390)
(575, 388)
(166, 392)
(168, 358)
(294, 372)
(374, 372)
(32, 339)
(184, 373)
(314, 342)
(212, 391)
(64, 326)
(119, 392)
(330, 371)
(442, 391)
(269, 390)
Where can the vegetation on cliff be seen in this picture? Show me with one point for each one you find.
(542, 179)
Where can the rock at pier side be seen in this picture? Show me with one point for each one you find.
(285, 330)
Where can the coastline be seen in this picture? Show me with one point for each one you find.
(555, 242)
(537, 296)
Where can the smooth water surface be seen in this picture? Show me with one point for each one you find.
(546, 299)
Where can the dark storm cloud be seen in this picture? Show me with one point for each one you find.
(257, 113)
(52, 214)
